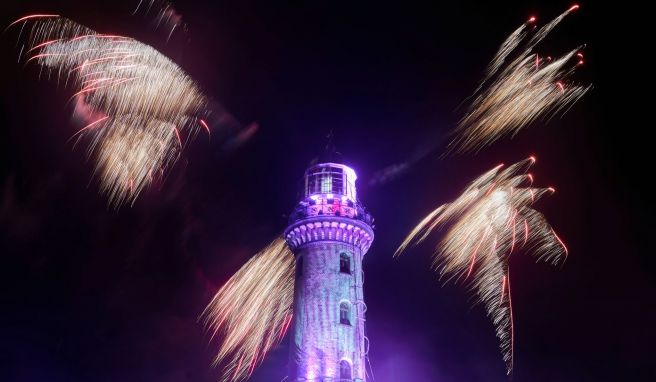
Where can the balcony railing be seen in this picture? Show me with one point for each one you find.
(308, 208)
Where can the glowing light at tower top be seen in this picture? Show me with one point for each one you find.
(330, 179)
(330, 200)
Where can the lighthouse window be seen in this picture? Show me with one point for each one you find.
(344, 370)
(338, 182)
(326, 184)
(325, 180)
(345, 313)
(344, 263)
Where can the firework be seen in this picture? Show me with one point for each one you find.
(489, 221)
(518, 88)
(167, 15)
(143, 105)
(253, 310)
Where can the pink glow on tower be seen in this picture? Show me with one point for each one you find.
(329, 232)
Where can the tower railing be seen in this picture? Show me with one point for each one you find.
(306, 210)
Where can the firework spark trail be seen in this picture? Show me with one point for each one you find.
(516, 92)
(489, 221)
(506, 48)
(167, 15)
(253, 310)
(148, 101)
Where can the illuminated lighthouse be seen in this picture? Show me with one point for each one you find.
(329, 232)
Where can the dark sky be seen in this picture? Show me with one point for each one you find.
(89, 293)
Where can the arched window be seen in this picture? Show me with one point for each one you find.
(344, 370)
(345, 263)
(345, 313)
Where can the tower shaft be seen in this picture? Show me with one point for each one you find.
(329, 234)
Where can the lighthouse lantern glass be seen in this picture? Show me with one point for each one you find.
(330, 179)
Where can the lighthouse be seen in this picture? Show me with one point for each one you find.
(329, 232)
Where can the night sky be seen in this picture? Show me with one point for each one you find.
(90, 293)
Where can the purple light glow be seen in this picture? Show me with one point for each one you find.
(330, 238)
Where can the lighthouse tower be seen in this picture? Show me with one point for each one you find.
(329, 232)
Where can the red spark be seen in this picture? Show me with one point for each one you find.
(560, 241)
(471, 267)
(42, 55)
(93, 123)
(532, 19)
(44, 44)
(561, 86)
(253, 363)
(177, 134)
(204, 124)
(503, 289)
(29, 17)
(241, 359)
(580, 56)
(574, 7)
(285, 326)
(87, 90)
(489, 191)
